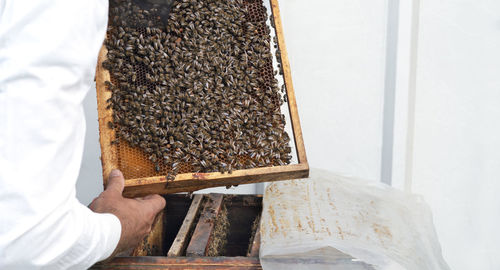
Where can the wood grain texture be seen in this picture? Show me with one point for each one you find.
(195, 181)
(181, 240)
(201, 236)
(287, 74)
(242, 263)
(109, 156)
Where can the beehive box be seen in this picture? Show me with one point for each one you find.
(144, 177)
(214, 231)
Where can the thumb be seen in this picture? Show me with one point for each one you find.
(116, 182)
(155, 203)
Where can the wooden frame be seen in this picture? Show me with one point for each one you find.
(182, 263)
(201, 236)
(187, 182)
(180, 241)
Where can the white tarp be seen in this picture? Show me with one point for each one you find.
(305, 223)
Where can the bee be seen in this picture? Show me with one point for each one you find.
(196, 91)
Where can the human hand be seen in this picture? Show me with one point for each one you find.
(136, 215)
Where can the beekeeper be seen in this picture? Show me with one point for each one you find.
(48, 55)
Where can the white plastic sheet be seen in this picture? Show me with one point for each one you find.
(335, 222)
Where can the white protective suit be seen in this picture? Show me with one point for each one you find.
(48, 54)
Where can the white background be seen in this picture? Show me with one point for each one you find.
(432, 67)
(457, 128)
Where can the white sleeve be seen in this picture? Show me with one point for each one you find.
(48, 54)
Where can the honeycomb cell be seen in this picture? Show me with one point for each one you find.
(134, 161)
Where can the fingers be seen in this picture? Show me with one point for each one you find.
(116, 182)
(154, 202)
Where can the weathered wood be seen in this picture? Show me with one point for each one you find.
(287, 74)
(242, 207)
(152, 245)
(201, 235)
(181, 240)
(195, 181)
(242, 263)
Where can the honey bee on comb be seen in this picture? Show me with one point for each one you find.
(197, 92)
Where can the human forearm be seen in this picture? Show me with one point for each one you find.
(70, 237)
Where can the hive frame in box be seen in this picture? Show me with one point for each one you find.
(193, 236)
(187, 182)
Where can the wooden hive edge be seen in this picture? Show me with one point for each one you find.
(182, 238)
(195, 181)
(109, 156)
(152, 262)
(287, 75)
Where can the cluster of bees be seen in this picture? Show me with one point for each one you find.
(196, 89)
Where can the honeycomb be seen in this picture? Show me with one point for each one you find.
(133, 161)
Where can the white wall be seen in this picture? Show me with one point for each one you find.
(457, 132)
(337, 55)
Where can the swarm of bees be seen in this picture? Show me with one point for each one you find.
(198, 90)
